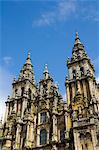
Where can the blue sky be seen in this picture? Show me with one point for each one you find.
(47, 29)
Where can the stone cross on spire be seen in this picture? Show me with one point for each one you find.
(28, 60)
(46, 73)
(46, 68)
(77, 40)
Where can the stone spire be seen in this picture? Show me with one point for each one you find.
(27, 70)
(78, 46)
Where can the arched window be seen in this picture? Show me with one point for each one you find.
(82, 71)
(82, 147)
(29, 106)
(16, 92)
(23, 134)
(74, 74)
(86, 145)
(29, 94)
(22, 91)
(43, 137)
(62, 135)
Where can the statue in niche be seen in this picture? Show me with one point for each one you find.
(74, 56)
(80, 111)
(74, 114)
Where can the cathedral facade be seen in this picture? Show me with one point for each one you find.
(37, 117)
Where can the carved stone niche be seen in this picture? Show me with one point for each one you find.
(78, 109)
(42, 105)
(74, 114)
(79, 97)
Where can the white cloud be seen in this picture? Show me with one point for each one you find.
(64, 97)
(67, 9)
(62, 11)
(5, 88)
(96, 62)
(90, 13)
(97, 79)
(46, 19)
(7, 60)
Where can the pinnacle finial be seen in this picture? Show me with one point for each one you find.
(46, 68)
(28, 55)
(77, 35)
(77, 40)
(28, 60)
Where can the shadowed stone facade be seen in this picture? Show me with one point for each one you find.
(36, 116)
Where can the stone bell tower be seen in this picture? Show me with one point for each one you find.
(18, 107)
(82, 100)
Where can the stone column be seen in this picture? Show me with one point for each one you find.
(35, 121)
(68, 94)
(24, 104)
(17, 142)
(68, 103)
(90, 145)
(75, 140)
(38, 137)
(73, 90)
(95, 108)
(32, 132)
(10, 107)
(78, 84)
(48, 136)
(27, 134)
(78, 141)
(54, 105)
(6, 112)
(54, 137)
(15, 106)
(94, 138)
(84, 89)
(19, 108)
(39, 118)
(70, 73)
(66, 125)
(98, 106)
(66, 120)
(91, 87)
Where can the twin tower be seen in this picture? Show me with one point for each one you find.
(37, 118)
